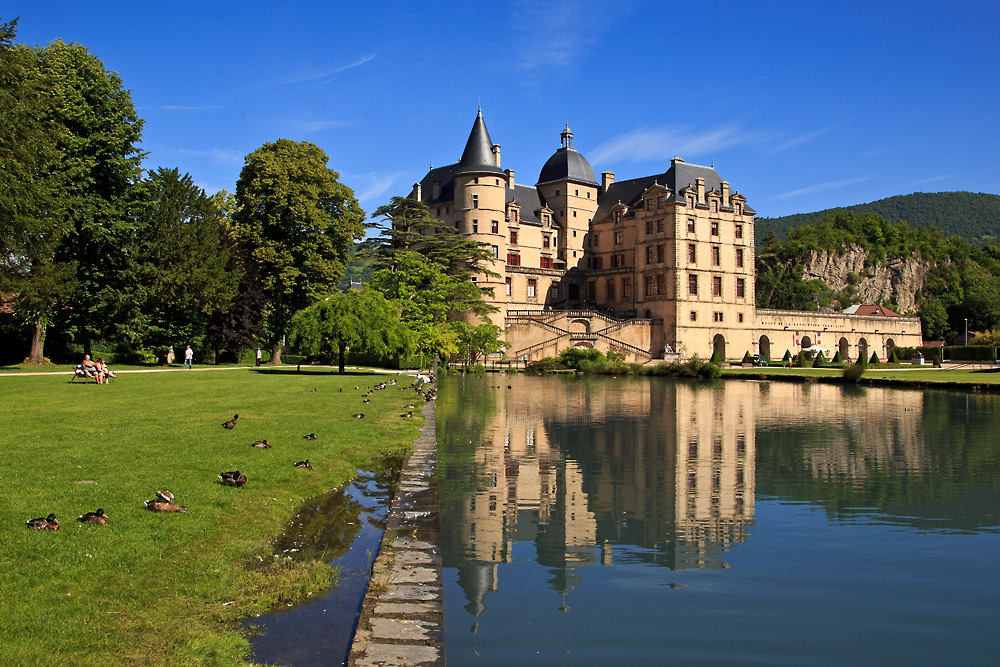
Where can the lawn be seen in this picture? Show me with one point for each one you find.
(155, 588)
(905, 374)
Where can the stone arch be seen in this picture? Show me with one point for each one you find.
(719, 346)
(863, 351)
(764, 345)
(806, 342)
(845, 349)
(579, 326)
(890, 345)
(583, 345)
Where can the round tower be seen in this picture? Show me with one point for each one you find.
(568, 185)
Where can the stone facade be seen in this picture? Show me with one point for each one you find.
(657, 267)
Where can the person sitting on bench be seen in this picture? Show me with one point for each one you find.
(90, 369)
(106, 372)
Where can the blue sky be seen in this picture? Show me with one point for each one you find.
(799, 105)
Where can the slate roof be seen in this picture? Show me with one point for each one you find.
(478, 155)
(531, 203)
(444, 174)
(868, 309)
(567, 164)
(679, 176)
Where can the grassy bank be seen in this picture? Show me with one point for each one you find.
(899, 375)
(155, 588)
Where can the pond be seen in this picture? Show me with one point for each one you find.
(598, 520)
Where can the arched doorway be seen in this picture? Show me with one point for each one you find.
(890, 345)
(579, 326)
(863, 351)
(806, 342)
(765, 348)
(845, 349)
(719, 346)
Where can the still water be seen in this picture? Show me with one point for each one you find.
(653, 521)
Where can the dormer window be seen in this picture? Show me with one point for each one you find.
(690, 202)
(715, 206)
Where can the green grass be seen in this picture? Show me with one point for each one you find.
(151, 588)
(918, 375)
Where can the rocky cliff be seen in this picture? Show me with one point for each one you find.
(894, 281)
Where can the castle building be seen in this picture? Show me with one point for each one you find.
(656, 267)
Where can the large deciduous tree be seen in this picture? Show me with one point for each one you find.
(358, 320)
(427, 267)
(296, 221)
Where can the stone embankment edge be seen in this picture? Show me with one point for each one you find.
(402, 616)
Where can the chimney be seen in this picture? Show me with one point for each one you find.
(510, 178)
(700, 182)
(436, 192)
(418, 192)
(607, 180)
(725, 192)
(496, 153)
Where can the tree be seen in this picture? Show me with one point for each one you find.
(296, 221)
(428, 268)
(477, 341)
(33, 194)
(358, 320)
(182, 264)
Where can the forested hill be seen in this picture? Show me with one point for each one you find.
(974, 216)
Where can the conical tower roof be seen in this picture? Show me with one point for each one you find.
(478, 156)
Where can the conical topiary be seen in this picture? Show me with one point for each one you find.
(747, 359)
(893, 359)
(820, 361)
(874, 359)
(803, 362)
(788, 355)
(716, 359)
(837, 359)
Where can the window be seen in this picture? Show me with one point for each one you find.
(619, 261)
(690, 202)
(659, 226)
(739, 257)
(694, 316)
(618, 238)
(447, 210)
(627, 289)
(513, 259)
(475, 226)
(554, 290)
(574, 214)
(577, 193)
(591, 290)
(692, 257)
(715, 228)
(496, 227)
(715, 206)
(716, 255)
(598, 263)
(661, 284)
(739, 318)
(507, 286)
(475, 201)
(545, 241)
(649, 226)
(496, 252)
(456, 225)
(650, 254)
(557, 193)
(690, 225)
(659, 202)
(546, 263)
(648, 286)
(574, 233)
(532, 283)
(693, 285)
(716, 285)
(513, 237)
(739, 209)
(610, 290)
(588, 195)
(660, 254)
(716, 317)
(739, 231)
(596, 239)
(741, 288)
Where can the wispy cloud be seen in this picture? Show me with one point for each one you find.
(321, 77)
(819, 187)
(646, 144)
(555, 34)
(799, 140)
(931, 179)
(220, 155)
(372, 186)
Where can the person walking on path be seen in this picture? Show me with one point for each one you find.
(258, 357)
(188, 358)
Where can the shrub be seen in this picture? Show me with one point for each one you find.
(893, 359)
(837, 359)
(716, 359)
(820, 361)
(546, 365)
(747, 359)
(874, 359)
(853, 372)
(802, 362)
(788, 355)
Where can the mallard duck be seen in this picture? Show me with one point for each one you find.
(407, 414)
(98, 516)
(408, 407)
(303, 464)
(233, 478)
(366, 401)
(359, 415)
(44, 523)
(311, 436)
(231, 424)
(164, 502)
(261, 444)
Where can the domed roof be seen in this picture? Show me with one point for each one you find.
(567, 164)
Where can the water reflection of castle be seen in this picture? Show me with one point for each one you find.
(657, 472)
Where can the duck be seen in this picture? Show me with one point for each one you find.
(233, 478)
(407, 414)
(44, 523)
(97, 516)
(359, 415)
(231, 424)
(366, 401)
(408, 407)
(164, 502)
(311, 436)
(261, 444)
(304, 464)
